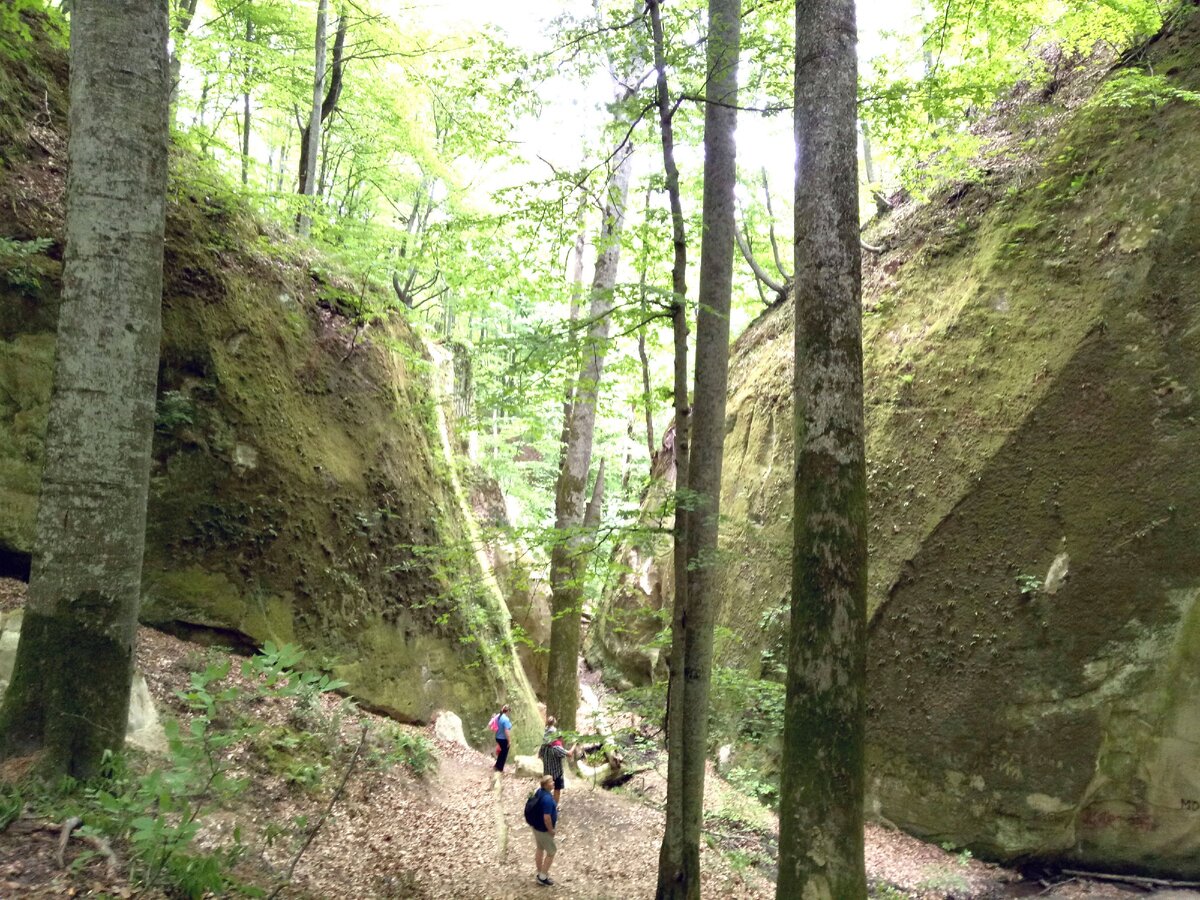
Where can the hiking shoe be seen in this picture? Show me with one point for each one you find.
(547, 881)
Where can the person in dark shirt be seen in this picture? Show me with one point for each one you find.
(544, 831)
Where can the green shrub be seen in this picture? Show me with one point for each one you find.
(392, 746)
(158, 813)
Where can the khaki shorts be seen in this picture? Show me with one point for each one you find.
(545, 841)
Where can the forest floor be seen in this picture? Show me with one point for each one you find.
(456, 831)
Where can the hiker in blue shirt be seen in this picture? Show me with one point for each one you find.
(503, 734)
(544, 822)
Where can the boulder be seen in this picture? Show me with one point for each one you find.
(525, 766)
(449, 727)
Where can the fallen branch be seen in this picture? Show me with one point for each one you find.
(871, 248)
(312, 832)
(1143, 880)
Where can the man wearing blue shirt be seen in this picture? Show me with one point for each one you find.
(544, 830)
(503, 733)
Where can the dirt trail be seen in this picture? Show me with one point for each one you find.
(464, 836)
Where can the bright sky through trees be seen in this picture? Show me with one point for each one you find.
(561, 133)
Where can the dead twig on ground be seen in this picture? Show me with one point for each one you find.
(312, 832)
(1139, 880)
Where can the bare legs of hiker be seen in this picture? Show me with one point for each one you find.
(543, 859)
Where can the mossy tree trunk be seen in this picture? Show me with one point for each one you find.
(568, 558)
(689, 717)
(69, 694)
(821, 797)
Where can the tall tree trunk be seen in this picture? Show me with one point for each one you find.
(670, 862)
(567, 559)
(708, 434)
(821, 796)
(70, 688)
(312, 144)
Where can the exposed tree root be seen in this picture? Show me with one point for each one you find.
(65, 830)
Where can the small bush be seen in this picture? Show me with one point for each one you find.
(392, 746)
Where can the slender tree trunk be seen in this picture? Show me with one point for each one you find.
(868, 157)
(647, 394)
(202, 108)
(283, 158)
(312, 146)
(184, 12)
(337, 72)
(576, 300)
(670, 863)
(821, 796)
(708, 438)
(324, 164)
(69, 693)
(643, 358)
(567, 559)
(708, 424)
(246, 107)
(627, 464)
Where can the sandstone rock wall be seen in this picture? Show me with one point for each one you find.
(1032, 341)
(300, 489)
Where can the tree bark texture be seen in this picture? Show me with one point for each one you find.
(567, 560)
(69, 693)
(708, 435)
(821, 797)
(670, 863)
(311, 146)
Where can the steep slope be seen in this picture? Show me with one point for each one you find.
(1031, 369)
(300, 490)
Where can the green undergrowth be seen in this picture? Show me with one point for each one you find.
(155, 811)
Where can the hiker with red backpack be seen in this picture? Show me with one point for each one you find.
(502, 725)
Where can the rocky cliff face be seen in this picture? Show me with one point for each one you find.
(1032, 343)
(301, 488)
